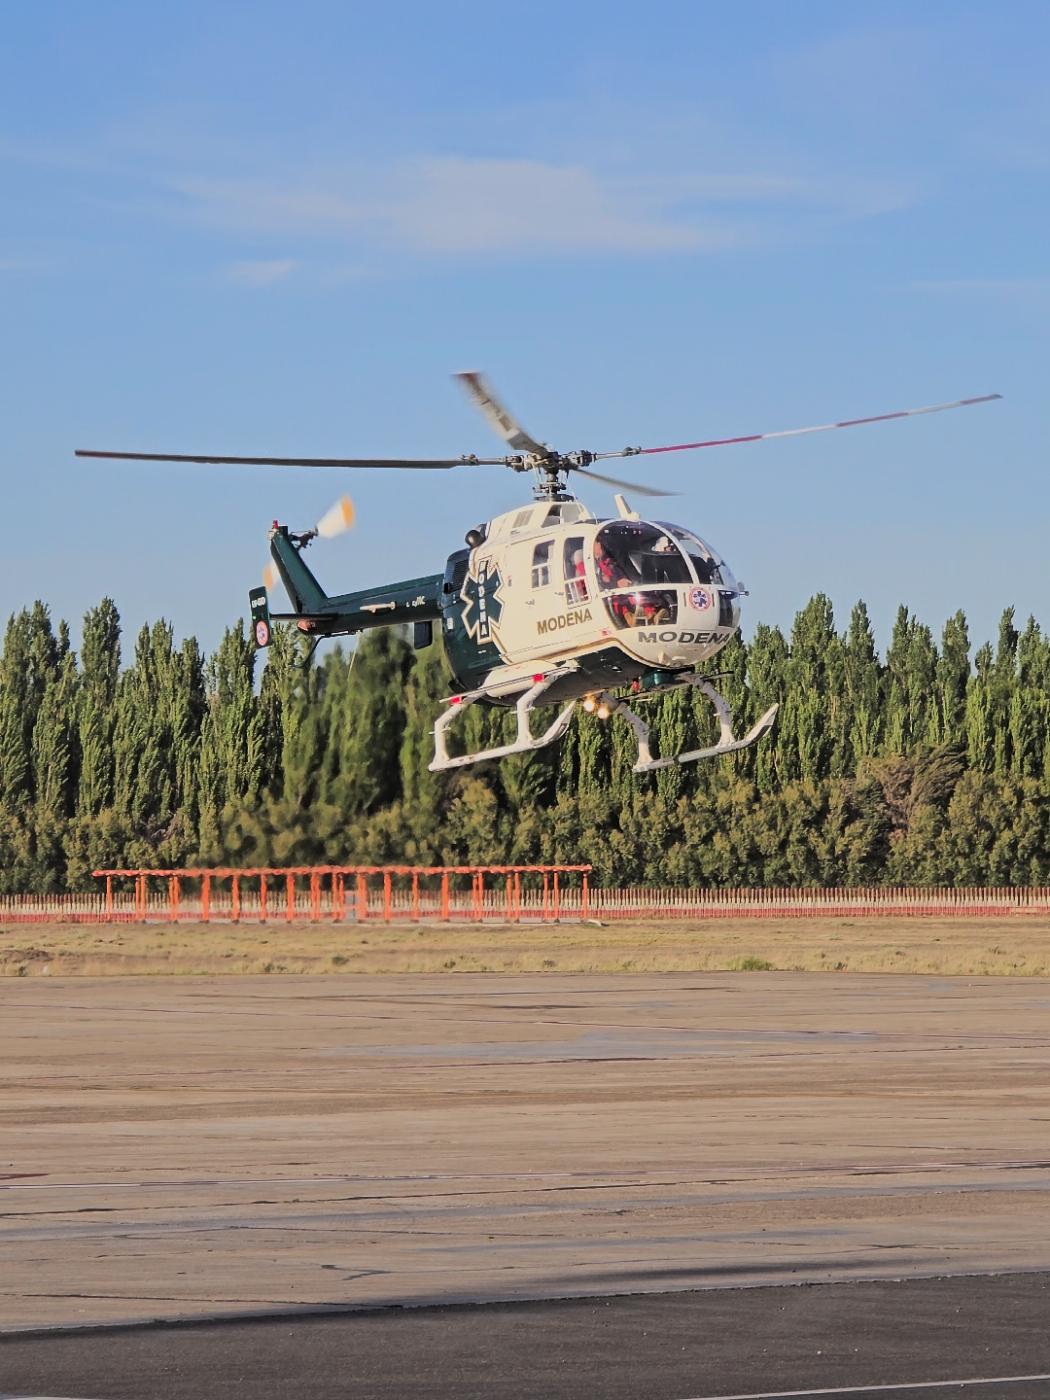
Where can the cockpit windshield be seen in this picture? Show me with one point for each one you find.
(627, 553)
(709, 568)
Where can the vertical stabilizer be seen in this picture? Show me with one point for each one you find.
(305, 592)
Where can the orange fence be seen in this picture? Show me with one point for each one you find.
(479, 893)
(322, 892)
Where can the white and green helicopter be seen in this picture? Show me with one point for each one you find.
(548, 604)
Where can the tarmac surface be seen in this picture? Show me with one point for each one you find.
(830, 1339)
(249, 1147)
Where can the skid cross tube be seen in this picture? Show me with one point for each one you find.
(524, 743)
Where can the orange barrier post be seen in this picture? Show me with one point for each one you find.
(517, 897)
(557, 908)
(583, 908)
(338, 899)
(444, 895)
(109, 899)
(173, 898)
(289, 883)
(545, 893)
(415, 894)
(387, 900)
(205, 898)
(262, 897)
(362, 897)
(315, 896)
(236, 899)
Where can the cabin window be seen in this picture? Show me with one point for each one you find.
(541, 564)
(564, 513)
(627, 553)
(575, 562)
(649, 609)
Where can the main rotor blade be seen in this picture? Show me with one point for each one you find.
(796, 432)
(439, 464)
(627, 485)
(497, 417)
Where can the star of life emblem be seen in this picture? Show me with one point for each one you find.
(484, 607)
(700, 599)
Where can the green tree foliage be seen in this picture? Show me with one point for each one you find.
(924, 768)
(99, 677)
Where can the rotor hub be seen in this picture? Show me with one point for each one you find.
(551, 471)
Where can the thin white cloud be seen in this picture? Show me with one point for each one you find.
(262, 273)
(460, 205)
(598, 200)
(448, 205)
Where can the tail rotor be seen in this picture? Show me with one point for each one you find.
(337, 520)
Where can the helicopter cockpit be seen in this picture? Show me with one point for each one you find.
(628, 553)
(638, 564)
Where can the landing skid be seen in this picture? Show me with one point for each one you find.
(726, 743)
(526, 743)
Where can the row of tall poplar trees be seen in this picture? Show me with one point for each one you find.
(919, 768)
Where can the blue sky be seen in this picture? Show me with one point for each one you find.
(278, 229)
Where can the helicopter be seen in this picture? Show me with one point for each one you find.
(548, 604)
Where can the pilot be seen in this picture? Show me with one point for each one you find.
(609, 570)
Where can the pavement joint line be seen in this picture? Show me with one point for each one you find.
(634, 1178)
(878, 1389)
(532, 1199)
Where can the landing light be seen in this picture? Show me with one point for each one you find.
(588, 704)
(603, 712)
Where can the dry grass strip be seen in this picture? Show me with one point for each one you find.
(1011, 946)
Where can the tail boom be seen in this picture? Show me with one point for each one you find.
(413, 600)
